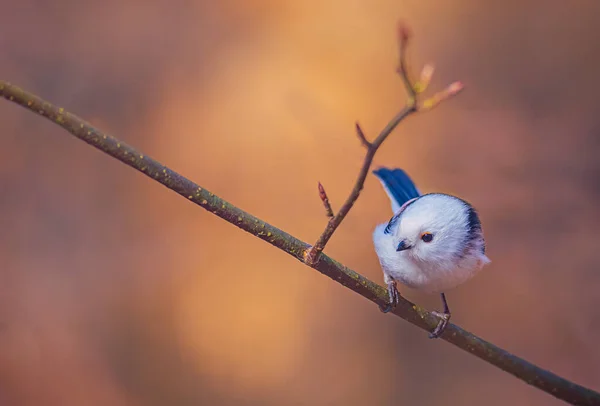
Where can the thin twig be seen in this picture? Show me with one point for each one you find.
(361, 136)
(404, 36)
(325, 200)
(520, 368)
(312, 255)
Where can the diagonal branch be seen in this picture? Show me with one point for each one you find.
(411, 106)
(520, 368)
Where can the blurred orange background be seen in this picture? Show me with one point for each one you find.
(114, 290)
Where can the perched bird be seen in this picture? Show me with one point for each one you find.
(434, 242)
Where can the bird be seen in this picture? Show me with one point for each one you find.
(433, 242)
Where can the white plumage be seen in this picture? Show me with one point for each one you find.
(433, 243)
(435, 266)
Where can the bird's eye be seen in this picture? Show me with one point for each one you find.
(427, 237)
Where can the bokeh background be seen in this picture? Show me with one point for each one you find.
(114, 290)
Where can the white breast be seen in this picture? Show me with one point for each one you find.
(429, 277)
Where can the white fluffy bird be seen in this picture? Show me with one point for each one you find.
(434, 242)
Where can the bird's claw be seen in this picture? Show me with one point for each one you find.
(393, 295)
(442, 324)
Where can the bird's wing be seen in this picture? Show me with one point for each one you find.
(398, 185)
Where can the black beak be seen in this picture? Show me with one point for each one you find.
(402, 246)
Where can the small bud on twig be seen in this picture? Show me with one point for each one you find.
(425, 78)
(361, 136)
(452, 90)
(404, 33)
(325, 199)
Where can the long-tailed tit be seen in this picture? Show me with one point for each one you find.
(434, 242)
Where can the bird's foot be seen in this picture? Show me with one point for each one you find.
(393, 295)
(439, 329)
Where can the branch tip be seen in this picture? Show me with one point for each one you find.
(361, 136)
(450, 91)
(404, 33)
(455, 88)
(425, 79)
(325, 200)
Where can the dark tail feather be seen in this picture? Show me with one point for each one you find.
(398, 185)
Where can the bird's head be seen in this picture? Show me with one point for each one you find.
(438, 228)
